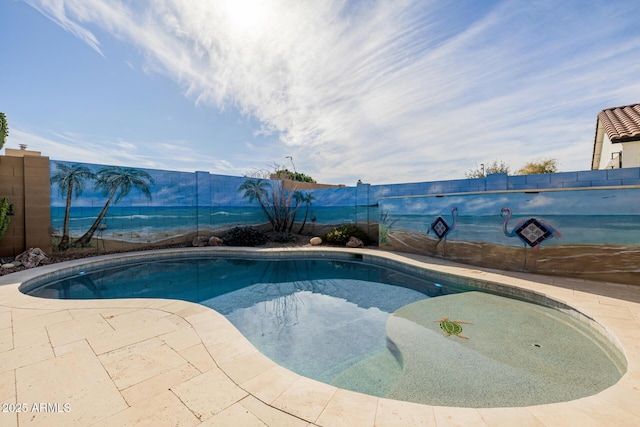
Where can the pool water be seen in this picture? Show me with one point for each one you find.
(373, 329)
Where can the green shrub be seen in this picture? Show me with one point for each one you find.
(6, 210)
(340, 235)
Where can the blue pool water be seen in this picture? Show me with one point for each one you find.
(374, 329)
(316, 317)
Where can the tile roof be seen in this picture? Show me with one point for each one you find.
(621, 123)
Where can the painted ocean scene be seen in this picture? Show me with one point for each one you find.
(576, 229)
(152, 224)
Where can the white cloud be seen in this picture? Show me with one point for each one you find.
(387, 91)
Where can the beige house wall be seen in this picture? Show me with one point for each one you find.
(25, 181)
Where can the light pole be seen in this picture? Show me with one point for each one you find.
(292, 164)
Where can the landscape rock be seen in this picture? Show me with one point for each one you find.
(31, 257)
(354, 242)
(8, 265)
(200, 241)
(315, 241)
(215, 241)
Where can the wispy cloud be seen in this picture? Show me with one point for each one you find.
(389, 91)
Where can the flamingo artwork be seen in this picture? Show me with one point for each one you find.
(442, 228)
(530, 231)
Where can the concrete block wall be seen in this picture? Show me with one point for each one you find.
(25, 182)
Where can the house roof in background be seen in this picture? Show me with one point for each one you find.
(621, 123)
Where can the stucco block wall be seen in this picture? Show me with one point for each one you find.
(25, 182)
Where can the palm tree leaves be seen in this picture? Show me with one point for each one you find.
(71, 177)
(278, 204)
(114, 181)
(71, 180)
(111, 178)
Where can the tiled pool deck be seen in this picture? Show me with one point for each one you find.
(165, 362)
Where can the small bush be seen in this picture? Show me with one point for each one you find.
(245, 236)
(340, 235)
(283, 237)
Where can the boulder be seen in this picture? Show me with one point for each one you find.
(31, 257)
(215, 241)
(315, 241)
(200, 241)
(354, 242)
(8, 265)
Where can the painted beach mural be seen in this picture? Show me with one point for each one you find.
(112, 207)
(592, 233)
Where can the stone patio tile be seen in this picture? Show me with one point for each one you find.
(24, 313)
(625, 395)
(25, 356)
(603, 413)
(244, 368)
(234, 416)
(83, 313)
(195, 314)
(457, 417)
(233, 349)
(163, 409)
(9, 419)
(40, 319)
(562, 415)
(305, 398)
(269, 415)
(105, 342)
(30, 337)
(270, 384)
(138, 362)
(199, 357)
(508, 417)
(620, 313)
(135, 319)
(396, 413)
(88, 326)
(349, 409)
(146, 389)
(181, 339)
(6, 339)
(8, 386)
(215, 331)
(77, 379)
(5, 319)
(209, 393)
(68, 348)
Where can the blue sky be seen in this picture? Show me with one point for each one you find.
(383, 91)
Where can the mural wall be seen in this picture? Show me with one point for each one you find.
(591, 233)
(584, 223)
(111, 207)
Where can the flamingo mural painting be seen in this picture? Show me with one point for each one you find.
(530, 231)
(442, 228)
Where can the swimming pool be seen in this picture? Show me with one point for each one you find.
(379, 334)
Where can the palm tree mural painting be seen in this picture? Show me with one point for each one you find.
(307, 199)
(112, 180)
(256, 189)
(276, 204)
(442, 228)
(71, 180)
(530, 231)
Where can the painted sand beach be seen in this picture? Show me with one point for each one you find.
(614, 263)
